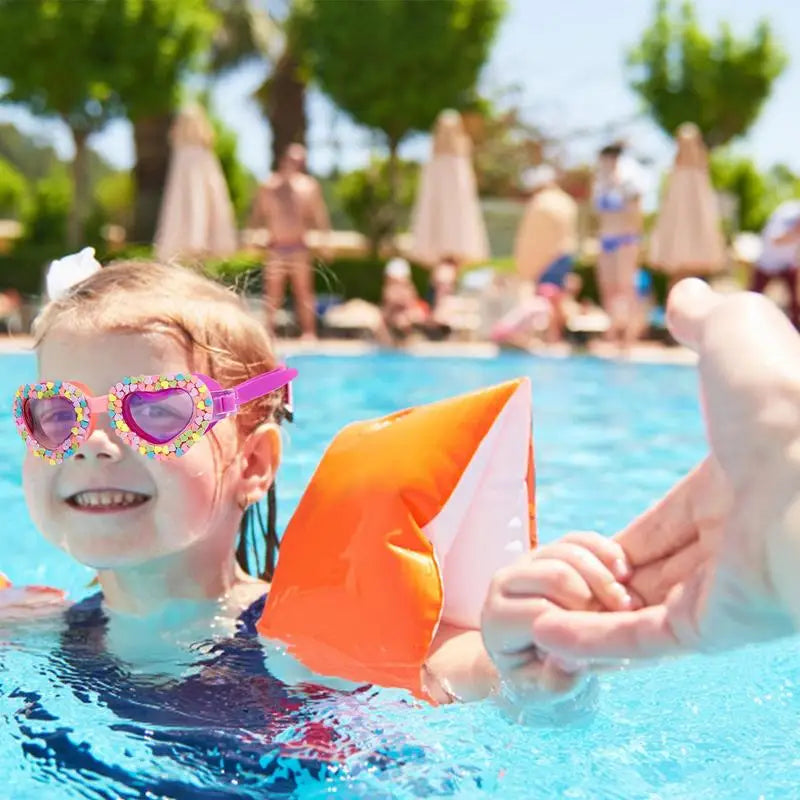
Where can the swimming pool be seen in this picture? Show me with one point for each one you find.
(609, 438)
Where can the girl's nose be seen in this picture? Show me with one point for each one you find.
(102, 444)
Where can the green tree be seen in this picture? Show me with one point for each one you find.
(248, 32)
(683, 74)
(14, 192)
(365, 196)
(55, 61)
(33, 159)
(86, 62)
(240, 181)
(153, 45)
(757, 193)
(52, 201)
(394, 64)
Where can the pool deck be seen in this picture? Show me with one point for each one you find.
(643, 353)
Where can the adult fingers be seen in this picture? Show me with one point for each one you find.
(653, 582)
(689, 305)
(667, 526)
(603, 636)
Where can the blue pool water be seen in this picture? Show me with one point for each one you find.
(609, 439)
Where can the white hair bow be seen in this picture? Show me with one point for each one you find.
(64, 273)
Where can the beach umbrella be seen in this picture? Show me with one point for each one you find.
(687, 237)
(447, 222)
(196, 216)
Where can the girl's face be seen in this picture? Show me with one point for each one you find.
(110, 507)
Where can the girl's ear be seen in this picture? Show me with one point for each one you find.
(260, 456)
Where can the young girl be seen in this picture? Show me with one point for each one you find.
(167, 514)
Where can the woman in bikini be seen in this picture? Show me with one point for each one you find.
(617, 201)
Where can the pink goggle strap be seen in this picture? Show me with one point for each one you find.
(262, 385)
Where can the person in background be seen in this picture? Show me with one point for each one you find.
(780, 241)
(402, 308)
(547, 237)
(443, 283)
(547, 240)
(10, 310)
(617, 201)
(290, 204)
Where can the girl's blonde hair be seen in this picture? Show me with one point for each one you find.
(223, 340)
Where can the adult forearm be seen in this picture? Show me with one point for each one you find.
(783, 556)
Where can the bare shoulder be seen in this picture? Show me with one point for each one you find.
(270, 184)
(307, 184)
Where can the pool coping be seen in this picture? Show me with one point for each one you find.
(643, 353)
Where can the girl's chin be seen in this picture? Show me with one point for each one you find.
(99, 556)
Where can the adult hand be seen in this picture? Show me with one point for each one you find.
(580, 572)
(715, 561)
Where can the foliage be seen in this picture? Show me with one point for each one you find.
(52, 199)
(56, 61)
(36, 159)
(86, 62)
(503, 147)
(44, 233)
(757, 194)
(363, 277)
(23, 268)
(249, 31)
(394, 65)
(366, 197)
(113, 198)
(721, 84)
(241, 182)
(346, 278)
(156, 44)
(151, 47)
(113, 195)
(14, 192)
(30, 157)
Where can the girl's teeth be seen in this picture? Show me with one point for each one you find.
(108, 499)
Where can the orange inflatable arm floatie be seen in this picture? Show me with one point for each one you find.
(25, 601)
(403, 524)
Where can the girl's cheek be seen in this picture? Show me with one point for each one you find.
(36, 484)
(32, 481)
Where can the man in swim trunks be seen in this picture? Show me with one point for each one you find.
(289, 204)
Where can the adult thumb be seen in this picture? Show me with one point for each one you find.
(688, 306)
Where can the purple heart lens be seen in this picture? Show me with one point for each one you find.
(50, 420)
(159, 417)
